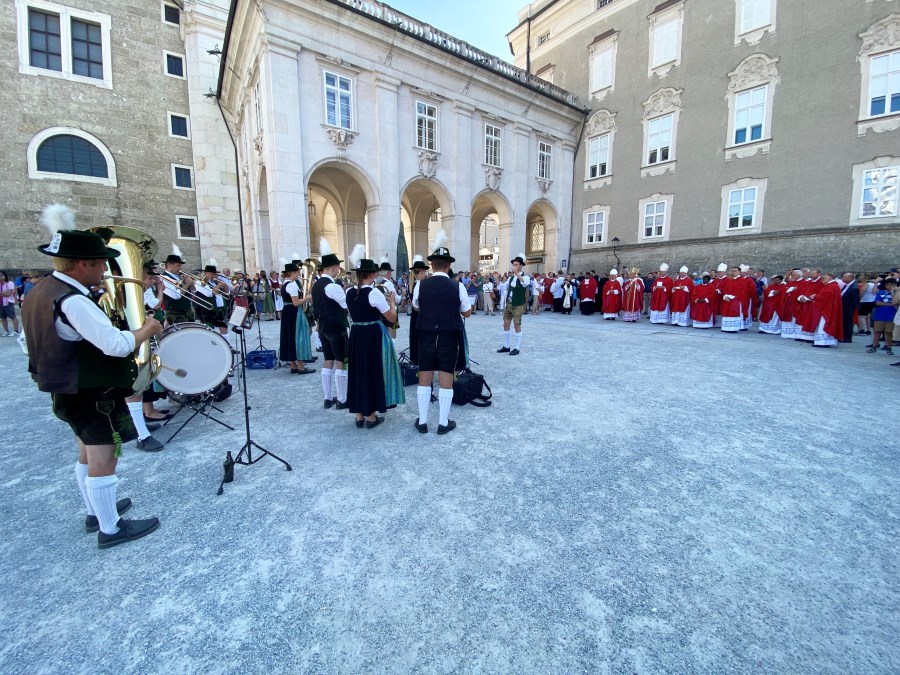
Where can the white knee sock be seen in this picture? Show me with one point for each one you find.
(136, 408)
(506, 339)
(102, 493)
(81, 471)
(423, 395)
(518, 339)
(445, 398)
(340, 377)
(327, 373)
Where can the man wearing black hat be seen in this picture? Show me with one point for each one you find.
(86, 365)
(178, 306)
(419, 271)
(330, 308)
(441, 302)
(516, 303)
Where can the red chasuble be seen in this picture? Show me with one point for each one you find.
(702, 300)
(634, 295)
(771, 302)
(736, 288)
(588, 290)
(827, 304)
(718, 283)
(803, 310)
(681, 294)
(660, 292)
(788, 300)
(612, 297)
(750, 306)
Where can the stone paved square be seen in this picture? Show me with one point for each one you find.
(638, 499)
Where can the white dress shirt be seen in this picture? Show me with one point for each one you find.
(336, 293)
(89, 322)
(377, 299)
(464, 304)
(170, 281)
(150, 298)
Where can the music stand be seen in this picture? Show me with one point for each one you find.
(239, 324)
(200, 408)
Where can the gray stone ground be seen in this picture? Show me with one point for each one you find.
(638, 499)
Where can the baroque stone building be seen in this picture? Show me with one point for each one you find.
(758, 131)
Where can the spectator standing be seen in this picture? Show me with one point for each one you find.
(8, 306)
(849, 304)
(882, 318)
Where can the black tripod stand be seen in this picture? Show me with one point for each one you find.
(245, 454)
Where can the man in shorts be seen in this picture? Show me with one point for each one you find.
(86, 365)
(883, 318)
(330, 309)
(516, 298)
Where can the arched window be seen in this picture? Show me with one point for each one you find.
(535, 239)
(70, 154)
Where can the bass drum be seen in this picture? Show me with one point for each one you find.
(201, 352)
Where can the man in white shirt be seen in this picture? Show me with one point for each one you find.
(87, 366)
(487, 291)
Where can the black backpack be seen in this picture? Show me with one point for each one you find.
(469, 387)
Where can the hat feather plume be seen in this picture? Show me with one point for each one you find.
(58, 217)
(176, 250)
(440, 240)
(357, 254)
(522, 256)
(324, 246)
(384, 258)
(283, 262)
(295, 256)
(212, 261)
(418, 258)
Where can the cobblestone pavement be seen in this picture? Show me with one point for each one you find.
(638, 499)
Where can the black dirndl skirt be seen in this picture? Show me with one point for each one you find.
(365, 372)
(287, 347)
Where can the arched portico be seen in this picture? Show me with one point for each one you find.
(425, 208)
(541, 232)
(494, 205)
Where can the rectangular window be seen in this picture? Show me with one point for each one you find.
(174, 65)
(45, 41)
(187, 227)
(659, 139)
(496, 241)
(491, 145)
(183, 177)
(884, 84)
(594, 226)
(598, 154)
(755, 14)
(749, 115)
(545, 159)
(741, 208)
(178, 126)
(654, 219)
(602, 70)
(665, 42)
(171, 14)
(543, 38)
(87, 49)
(879, 197)
(426, 126)
(338, 101)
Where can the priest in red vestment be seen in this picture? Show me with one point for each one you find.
(804, 307)
(770, 313)
(750, 308)
(702, 298)
(732, 304)
(633, 303)
(826, 320)
(612, 296)
(682, 287)
(789, 327)
(588, 294)
(718, 282)
(660, 296)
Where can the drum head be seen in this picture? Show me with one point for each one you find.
(203, 353)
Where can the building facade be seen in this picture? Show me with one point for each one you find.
(757, 131)
(95, 114)
(355, 122)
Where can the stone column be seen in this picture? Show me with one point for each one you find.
(512, 235)
(461, 190)
(384, 219)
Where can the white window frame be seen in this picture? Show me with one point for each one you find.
(338, 91)
(754, 72)
(66, 14)
(169, 116)
(497, 141)
(601, 123)
(178, 228)
(673, 16)
(162, 12)
(749, 109)
(545, 167)
(856, 202)
(760, 185)
(609, 46)
(165, 65)
(41, 136)
(430, 143)
(590, 156)
(648, 141)
(193, 180)
(893, 77)
(882, 37)
(603, 213)
(657, 198)
(662, 103)
(753, 34)
(543, 38)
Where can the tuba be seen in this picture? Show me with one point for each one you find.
(307, 279)
(123, 301)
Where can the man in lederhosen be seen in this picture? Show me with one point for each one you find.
(178, 306)
(87, 366)
(330, 309)
(516, 304)
(441, 302)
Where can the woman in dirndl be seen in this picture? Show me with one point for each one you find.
(275, 283)
(374, 383)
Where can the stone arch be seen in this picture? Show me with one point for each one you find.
(541, 233)
(261, 227)
(419, 199)
(486, 253)
(39, 138)
(339, 196)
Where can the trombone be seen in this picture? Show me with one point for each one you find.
(204, 282)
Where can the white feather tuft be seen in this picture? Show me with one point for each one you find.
(324, 246)
(357, 254)
(176, 250)
(418, 258)
(384, 258)
(522, 256)
(58, 217)
(440, 240)
(283, 262)
(295, 256)
(212, 261)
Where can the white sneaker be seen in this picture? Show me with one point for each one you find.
(5, 334)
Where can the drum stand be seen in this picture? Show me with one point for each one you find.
(201, 408)
(245, 454)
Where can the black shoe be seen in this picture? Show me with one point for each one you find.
(330, 402)
(156, 420)
(149, 444)
(502, 350)
(129, 530)
(340, 406)
(359, 424)
(91, 524)
(423, 428)
(318, 349)
(514, 352)
(896, 364)
(153, 426)
(303, 371)
(371, 424)
(451, 425)
(294, 371)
